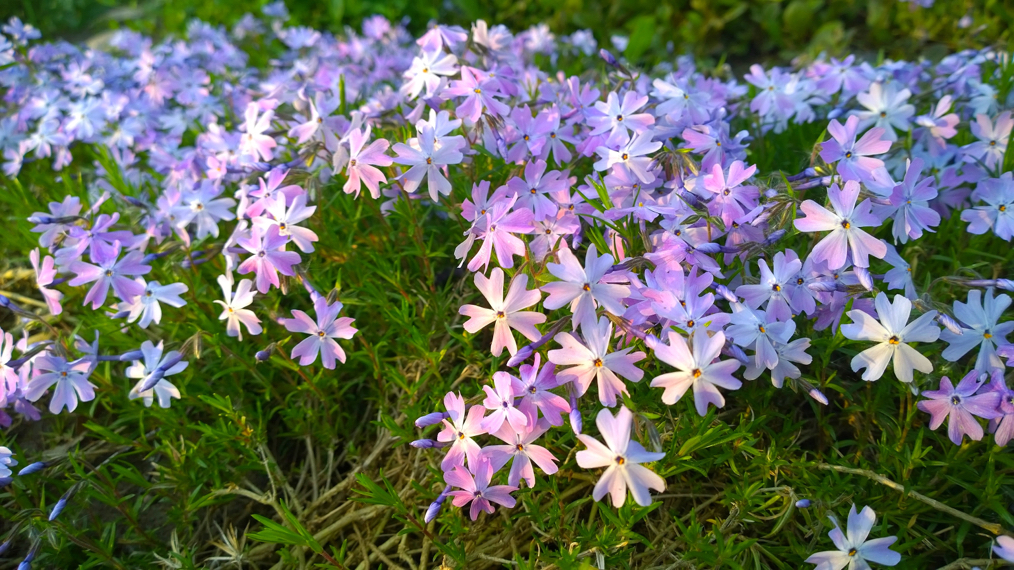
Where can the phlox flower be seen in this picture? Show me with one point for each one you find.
(475, 488)
(892, 334)
(794, 351)
(479, 94)
(697, 369)
(506, 312)
(269, 189)
(548, 233)
(322, 333)
(498, 231)
(593, 361)
(106, 270)
(523, 451)
(1002, 426)
(760, 331)
(147, 306)
(500, 402)
(8, 376)
(731, 199)
(622, 458)
(582, 288)
(320, 124)
(854, 158)
(234, 310)
(426, 162)
(533, 387)
(285, 220)
(887, 108)
(459, 429)
(910, 205)
(900, 274)
(426, 70)
(960, 405)
(533, 191)
(53, 233)
(846, 238)
(992, 143)
(1004, 547)
(203, 208)
(142, 370)
(45, 273)
(363, 163)
(254, 142)
(981, 316)
(269, 257)
(6, 462)
(70, 378)
(631, 155)
(854, 550)
(618, 117)
(939, 126)
(775, 287)
(998, 213)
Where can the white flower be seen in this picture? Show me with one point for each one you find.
(892, 334)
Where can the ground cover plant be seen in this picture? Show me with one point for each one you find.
(482, 298)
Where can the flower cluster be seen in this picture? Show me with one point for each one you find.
(626, 222)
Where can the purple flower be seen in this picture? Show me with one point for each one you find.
(477, 490)
(998, 213)
(203, 208)
(52, 230)
(534, 390)
(460, 428)
(363, 163)
(498, 229)
(697, 369)
(523, 451)
(1002, 426)
(7, 461)
(853, 158)
(70, 378)
(760, 331)
(147, 307)
(900, 274)
(630, 156)
(426, 162)
(774, 287)
(992, 143)
(8, 376)
(322, 333)
(960, 405)
(105, 270)
(1004, 547)
(910, 205)
(622, 458)
(582, 287)
(617, 117)
(981, 316)
(234, 309)
(505, 313)
(593, 361)
(533, 191)
(500, 402)
(154, 361)
(731, 200)
(255, 143)
(479, 95)
(269, 257)
(426, 70)
(892, 335)
(845, 238)
(854, 550)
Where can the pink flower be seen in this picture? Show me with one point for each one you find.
(523, 451)
(234, 309)
(255, 143)
(363, 163)
(506, 313)
(460, 429)
(845, 238)
(426, 162)
(322, 333)
(960, 405)
(285, 220)
(498, 235)
(697, 369)
(477, 490)
(500, 402)
(269, 257)
(622, 458)
(44, 275)
(593, 361)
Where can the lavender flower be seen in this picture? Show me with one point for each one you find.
(322, 333)
(622, 458)
(593, 361)
(846, 239)
(697, 369)
(854, 550)
(980, 316)
(506, 314)
(475, 488)
(892, 333)
(960, 405)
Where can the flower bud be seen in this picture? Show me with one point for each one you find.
(431, 419)
(608, 57)
(803, 504)
(949, 323)
(32, 468)
(864, 277)
(726, 293)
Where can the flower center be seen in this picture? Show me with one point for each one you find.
(461, 435)
(986, 335)
(845, 224)
(598, 363)
(429, 160)
(586, 287)
(799, 281)
(619, 118)
(893, 340)
(955, 400)
(883, 114)
(532, 390)
(520, 447)
(776, 287)
(109, 272)
(505, 405)
(852, 551)
(761, 328)
(697, 372)
(478, 91)
(320, 334)
(261, 253)
(625, 156)
(1002, 208)
(500, 314)
(848, 154)
(620, 460)
(352, 162)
